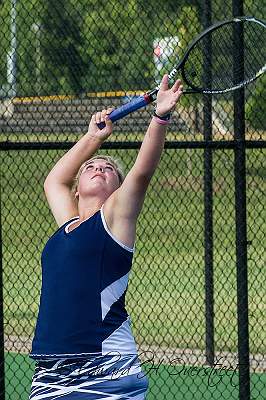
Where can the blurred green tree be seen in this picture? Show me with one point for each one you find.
(62, 47)
(256, 105)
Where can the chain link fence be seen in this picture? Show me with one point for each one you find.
(60, 62)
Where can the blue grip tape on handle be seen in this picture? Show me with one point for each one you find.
(101, 125)
(126, 109)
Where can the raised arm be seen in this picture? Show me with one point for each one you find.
(58, 183)
(67, 167)
(127, 201)
(150, 152)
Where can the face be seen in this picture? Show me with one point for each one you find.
(98, 175)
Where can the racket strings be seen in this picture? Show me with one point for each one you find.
(214, 63)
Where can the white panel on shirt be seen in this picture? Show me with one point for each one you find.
(121, 340)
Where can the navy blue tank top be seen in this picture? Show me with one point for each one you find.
(82, 305)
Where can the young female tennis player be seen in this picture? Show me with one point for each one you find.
(83, 344)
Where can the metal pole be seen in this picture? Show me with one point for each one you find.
(208, 194)
(240, 212)
(36, 27)
(12, 55)
(2, 348)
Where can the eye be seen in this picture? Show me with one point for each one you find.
(108, 167)
(89, 166)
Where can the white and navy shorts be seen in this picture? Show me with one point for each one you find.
(109, 377)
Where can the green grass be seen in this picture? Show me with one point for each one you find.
(165, 381)
(166, 291)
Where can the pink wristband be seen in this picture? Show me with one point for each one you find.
(161, 121)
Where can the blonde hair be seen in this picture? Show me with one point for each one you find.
(114, 161)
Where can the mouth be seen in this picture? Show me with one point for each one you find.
(94, 176)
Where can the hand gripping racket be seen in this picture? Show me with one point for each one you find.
(216, 49)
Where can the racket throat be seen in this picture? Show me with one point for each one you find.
(151, 96)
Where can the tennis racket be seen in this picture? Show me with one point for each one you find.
(215, 50)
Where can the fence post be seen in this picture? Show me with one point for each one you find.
(240, 213)
(2, 347)
(12, 59)
(208, 193)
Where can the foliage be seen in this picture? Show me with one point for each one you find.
(256, 105)
(90, 45)
(94, 45)
(62, 46)
(4, 40)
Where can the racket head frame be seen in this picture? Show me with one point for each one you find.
(180, 66)
(150, 96)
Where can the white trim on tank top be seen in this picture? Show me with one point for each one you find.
(106, 229)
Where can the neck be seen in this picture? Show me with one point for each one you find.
(87, 208)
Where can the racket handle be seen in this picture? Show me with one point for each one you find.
(126, 109)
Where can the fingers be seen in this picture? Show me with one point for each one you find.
(176, 95)
(164, 83)
(109, 110)
(179, 91)
(177, 85)
(102, 116)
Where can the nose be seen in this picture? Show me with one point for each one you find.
(99, 168)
